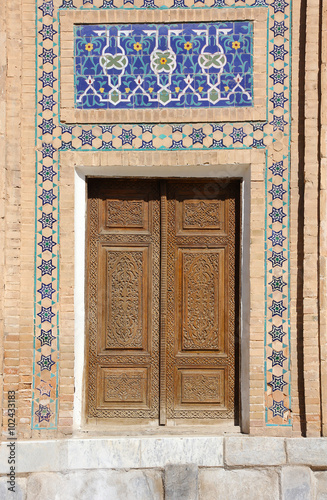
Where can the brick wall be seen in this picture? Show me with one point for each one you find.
(24, 146)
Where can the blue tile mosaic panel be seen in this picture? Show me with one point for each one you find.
(164, 65)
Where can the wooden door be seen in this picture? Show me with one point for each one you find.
(200, 302)
(162, 279)
(123, 298)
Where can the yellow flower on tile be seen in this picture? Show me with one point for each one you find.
(177, 89)
(89, 47)
(188, 45)
(101, 90)
(200, 89)
(137, 46)
(127, 89)
(150, 89)
(163, 60)
(226, 88)
(236, 45)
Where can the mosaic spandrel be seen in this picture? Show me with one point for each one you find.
(164, 66)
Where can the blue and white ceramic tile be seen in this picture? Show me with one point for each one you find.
(169, 65)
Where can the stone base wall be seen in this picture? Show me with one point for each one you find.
(169, 468)
(173, 483)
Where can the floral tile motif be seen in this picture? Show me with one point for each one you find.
(164, 65)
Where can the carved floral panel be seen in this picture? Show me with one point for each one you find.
(125, 300)
(201, 301)
(202, 387)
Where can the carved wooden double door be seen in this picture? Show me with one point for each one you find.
(162, 304)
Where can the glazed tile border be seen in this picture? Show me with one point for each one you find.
(52, 137)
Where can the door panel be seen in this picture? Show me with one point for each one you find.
(124, 314)
(201, 299)
(123, 298)
(162, 271)
(123, 388)
(201, 324)
(200, 387)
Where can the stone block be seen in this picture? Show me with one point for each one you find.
(321, 485)
(181, 482)
(104, 453)
(307, 451)
(203, 451)
(48, 485)
(113, 453)
(242, 484)
(96, 485)
(34, 456)
(297, 483)
(20, 489)
(254, 451)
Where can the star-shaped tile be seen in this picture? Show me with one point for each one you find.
(278, 409)
(47, 79)
(278, 76)
(47, 102)
(277, 333)
(47, 150)
(277, 168)
(277, 383)
(46, 337)
(46, 290)
(47, 55)
(277, 358)
(47, 32)
(277, 214)
(278, 123)
(47, 173)
(177, 145)
(47, 126)
(277, 238)
(46, 267)
(66, 129)
(44, 388)
(279, 5)
(277, 191)
(278, 100)
(107, 145)
(47, 244)
(46, 314)
(47, 8)
(66, 146)
(277, 284)
(47, 197)
(197, 136)
(46, 363)
(86, 137)
(278, 52)
(147, 145)
(279, 28)
(127, 137)
(237, 135)
(106, 128)
(277, 259)
(217, 144)
(277, 308)
(44, 413)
